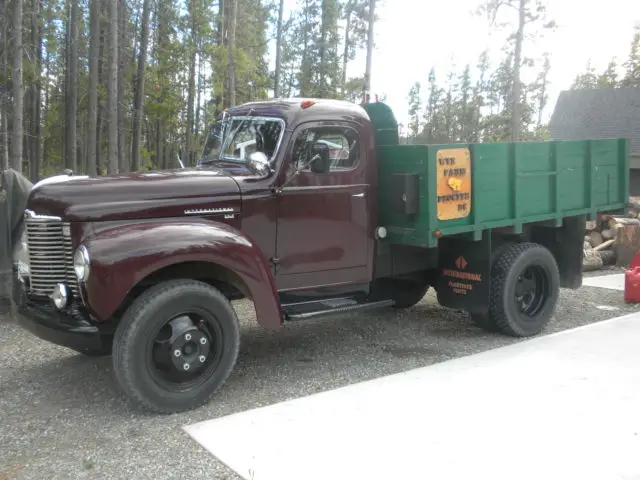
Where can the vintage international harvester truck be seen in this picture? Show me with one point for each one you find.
(308, 208)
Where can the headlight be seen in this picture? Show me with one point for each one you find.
(82, 263)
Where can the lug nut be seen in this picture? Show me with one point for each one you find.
(202, 358)
(187, 337)
(186, 366)
(177, 353)
(203, 340)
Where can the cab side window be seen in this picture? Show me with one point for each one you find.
(344, 148)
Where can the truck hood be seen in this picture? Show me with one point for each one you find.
(169, 193)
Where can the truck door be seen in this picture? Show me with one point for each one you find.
(323, 218)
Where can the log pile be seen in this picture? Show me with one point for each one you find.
(612, 240)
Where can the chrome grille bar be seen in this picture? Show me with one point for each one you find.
(50, 254)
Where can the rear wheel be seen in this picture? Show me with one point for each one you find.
(525, 285)
(405, 292)
(176, 346)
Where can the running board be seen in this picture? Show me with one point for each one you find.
(329, 307)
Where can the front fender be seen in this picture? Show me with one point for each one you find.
(124, 255)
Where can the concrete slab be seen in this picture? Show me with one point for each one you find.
(612, 282)
(561, 406)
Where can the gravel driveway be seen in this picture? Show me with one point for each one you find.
(63, 416)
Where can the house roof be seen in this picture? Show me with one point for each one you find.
(597, 114)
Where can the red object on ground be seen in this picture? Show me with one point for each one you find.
(632, 281)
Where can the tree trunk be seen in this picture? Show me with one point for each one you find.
(4, 128)
(102, 76)
(160, 143)
(516, 117)
(196, 123)
(36, 37)
(47, 67)
(122, 25)
(305, 63)
(191, 86)
(345, 54)
(367, 74)
(72, 89)
(112, 87)
(138, 102)
(94, 52)
(220, 38)
(4, 146)
(18, 88)
(276, 86)
(231, 73)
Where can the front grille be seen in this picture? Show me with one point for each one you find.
(50, 255)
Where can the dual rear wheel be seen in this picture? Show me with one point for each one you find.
(525, 284)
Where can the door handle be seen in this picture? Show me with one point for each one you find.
(358, 195)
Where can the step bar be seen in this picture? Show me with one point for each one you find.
(329, 307)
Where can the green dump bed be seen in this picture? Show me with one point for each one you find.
(429, 190)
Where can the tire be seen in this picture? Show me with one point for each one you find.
(144, 327)
(98, 352)
(522, 267)
(485, 322)
(406, 293)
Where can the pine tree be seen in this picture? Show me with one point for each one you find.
(632, 65)
(93, 86)
(586, 80)
(279, 34)
(328, 66)
(138, 105)
(541, 89)
(609, 78)
(431, 116)
(18, 88)
(355, 34)
(464, 107)
(415, 106)
(531, 15)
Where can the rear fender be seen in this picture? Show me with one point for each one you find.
(124, 255)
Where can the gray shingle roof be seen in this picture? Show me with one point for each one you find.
(596, 114)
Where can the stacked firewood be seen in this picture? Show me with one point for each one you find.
(603, 239)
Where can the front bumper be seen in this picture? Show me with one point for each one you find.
(69, 328)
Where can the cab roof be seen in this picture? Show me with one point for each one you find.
(296, 110)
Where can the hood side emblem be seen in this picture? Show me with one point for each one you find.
(229, 212)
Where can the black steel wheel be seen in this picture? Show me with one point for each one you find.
(525, 284)
(176, 346)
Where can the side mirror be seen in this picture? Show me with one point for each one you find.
(320, 155)
(258, 163)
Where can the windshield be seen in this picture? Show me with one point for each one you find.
(232, 139)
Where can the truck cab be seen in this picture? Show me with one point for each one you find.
(307, 207)
(312, 212)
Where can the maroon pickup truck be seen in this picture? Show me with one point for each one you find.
(283, 208)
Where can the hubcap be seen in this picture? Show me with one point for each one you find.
(532, 291)
(191, 349)
(185, 351)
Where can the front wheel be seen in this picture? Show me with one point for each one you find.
(176, 346)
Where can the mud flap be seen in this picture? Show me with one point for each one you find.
(464, 274)
(566, 244)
